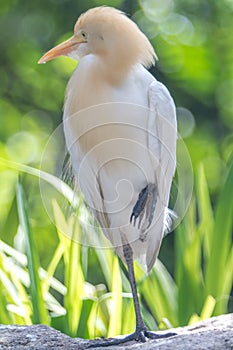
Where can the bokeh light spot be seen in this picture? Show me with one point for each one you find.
(22, 147)
(186, 122)
(157, 10)
(174, 24)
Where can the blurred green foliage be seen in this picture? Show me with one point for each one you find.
(193, 40)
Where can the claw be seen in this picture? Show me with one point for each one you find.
(154, 335)
(140, 336)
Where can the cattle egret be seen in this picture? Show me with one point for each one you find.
(120, 131)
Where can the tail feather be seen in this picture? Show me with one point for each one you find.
(170, 217)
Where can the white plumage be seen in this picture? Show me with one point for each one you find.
(120, 129)
(128, 138)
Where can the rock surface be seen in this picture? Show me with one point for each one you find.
(214, 333)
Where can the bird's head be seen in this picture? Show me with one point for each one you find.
(108, 33)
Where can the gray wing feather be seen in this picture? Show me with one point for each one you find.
(162, 135)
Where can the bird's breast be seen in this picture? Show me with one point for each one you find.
(106, 130)
(110, 138)
(89, 86)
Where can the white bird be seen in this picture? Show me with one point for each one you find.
(120, 130)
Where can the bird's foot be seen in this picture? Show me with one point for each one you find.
(141, 335)
(154, 335)
(145, 205)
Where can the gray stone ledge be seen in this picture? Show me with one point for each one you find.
(215, 333)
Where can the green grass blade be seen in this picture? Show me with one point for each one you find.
(10, 226)
(183, 238)
(74, 279)
(160, 293)
(13, 281)
(97, 324)
(189, 276)
(20, 261)
(40, 314)
(104, 255)
(128, 315)
(52, 267)
(57, 183)
(8, 293)
(208, 307)
(221, 246)
(207, 311)
(116, 301)
(86, 310)
(205, 211)
(75, 289)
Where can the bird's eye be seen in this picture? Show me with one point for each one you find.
(84, 35)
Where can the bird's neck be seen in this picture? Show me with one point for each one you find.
(113, 69)
(93, 82)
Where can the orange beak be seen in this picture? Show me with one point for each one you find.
(62, 49)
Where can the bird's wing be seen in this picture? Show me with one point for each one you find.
(162, 135)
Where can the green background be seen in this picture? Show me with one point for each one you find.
(193, 40)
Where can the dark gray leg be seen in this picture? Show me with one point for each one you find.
(140, 325)
(141, 333)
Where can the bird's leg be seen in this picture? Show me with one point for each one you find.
(140, 325)
(141, 332)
